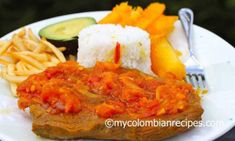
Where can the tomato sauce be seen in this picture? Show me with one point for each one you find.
(69, 88)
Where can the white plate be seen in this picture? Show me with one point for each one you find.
(214, 53)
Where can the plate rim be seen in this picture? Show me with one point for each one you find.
(2, 136)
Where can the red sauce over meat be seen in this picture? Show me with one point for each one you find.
(68, 87)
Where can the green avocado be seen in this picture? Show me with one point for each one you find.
(65, 33)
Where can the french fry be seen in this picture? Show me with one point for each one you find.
(49, 64)
(3, 43)
(4, 62)
(61, 48)
(13, 87)
(11, 57)
(26, 54)
(4, 47)
(22, 32)
(58, 54)
(72, 58)
(32, 36)
(54, 59)
(30, 60)
(17, 42)
(22, 66)
(12, 48)
(38, 56)
(48, 50)
(30, 44)
(27, 72)
(40, 48)
(12, 78)
(30, 67)
(11, 69)
(23, 73)
(19, 67)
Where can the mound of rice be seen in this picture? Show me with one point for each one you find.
(98, 42)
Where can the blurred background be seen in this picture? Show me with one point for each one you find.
(217, 16)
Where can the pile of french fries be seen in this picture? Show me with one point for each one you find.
(26, 54)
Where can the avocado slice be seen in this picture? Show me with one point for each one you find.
(65, 33)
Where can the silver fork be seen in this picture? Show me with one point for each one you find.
(195, 71)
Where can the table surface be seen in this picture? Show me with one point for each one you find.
(229, 136)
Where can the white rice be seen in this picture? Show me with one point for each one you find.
(98, 42)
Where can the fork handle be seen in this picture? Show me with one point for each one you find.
(186, 18)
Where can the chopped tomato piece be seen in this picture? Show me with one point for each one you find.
(106, 110)
(106, 89)
(61, 99)
(131, 95)
(117, 53)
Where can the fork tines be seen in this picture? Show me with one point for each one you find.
(198, 81)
